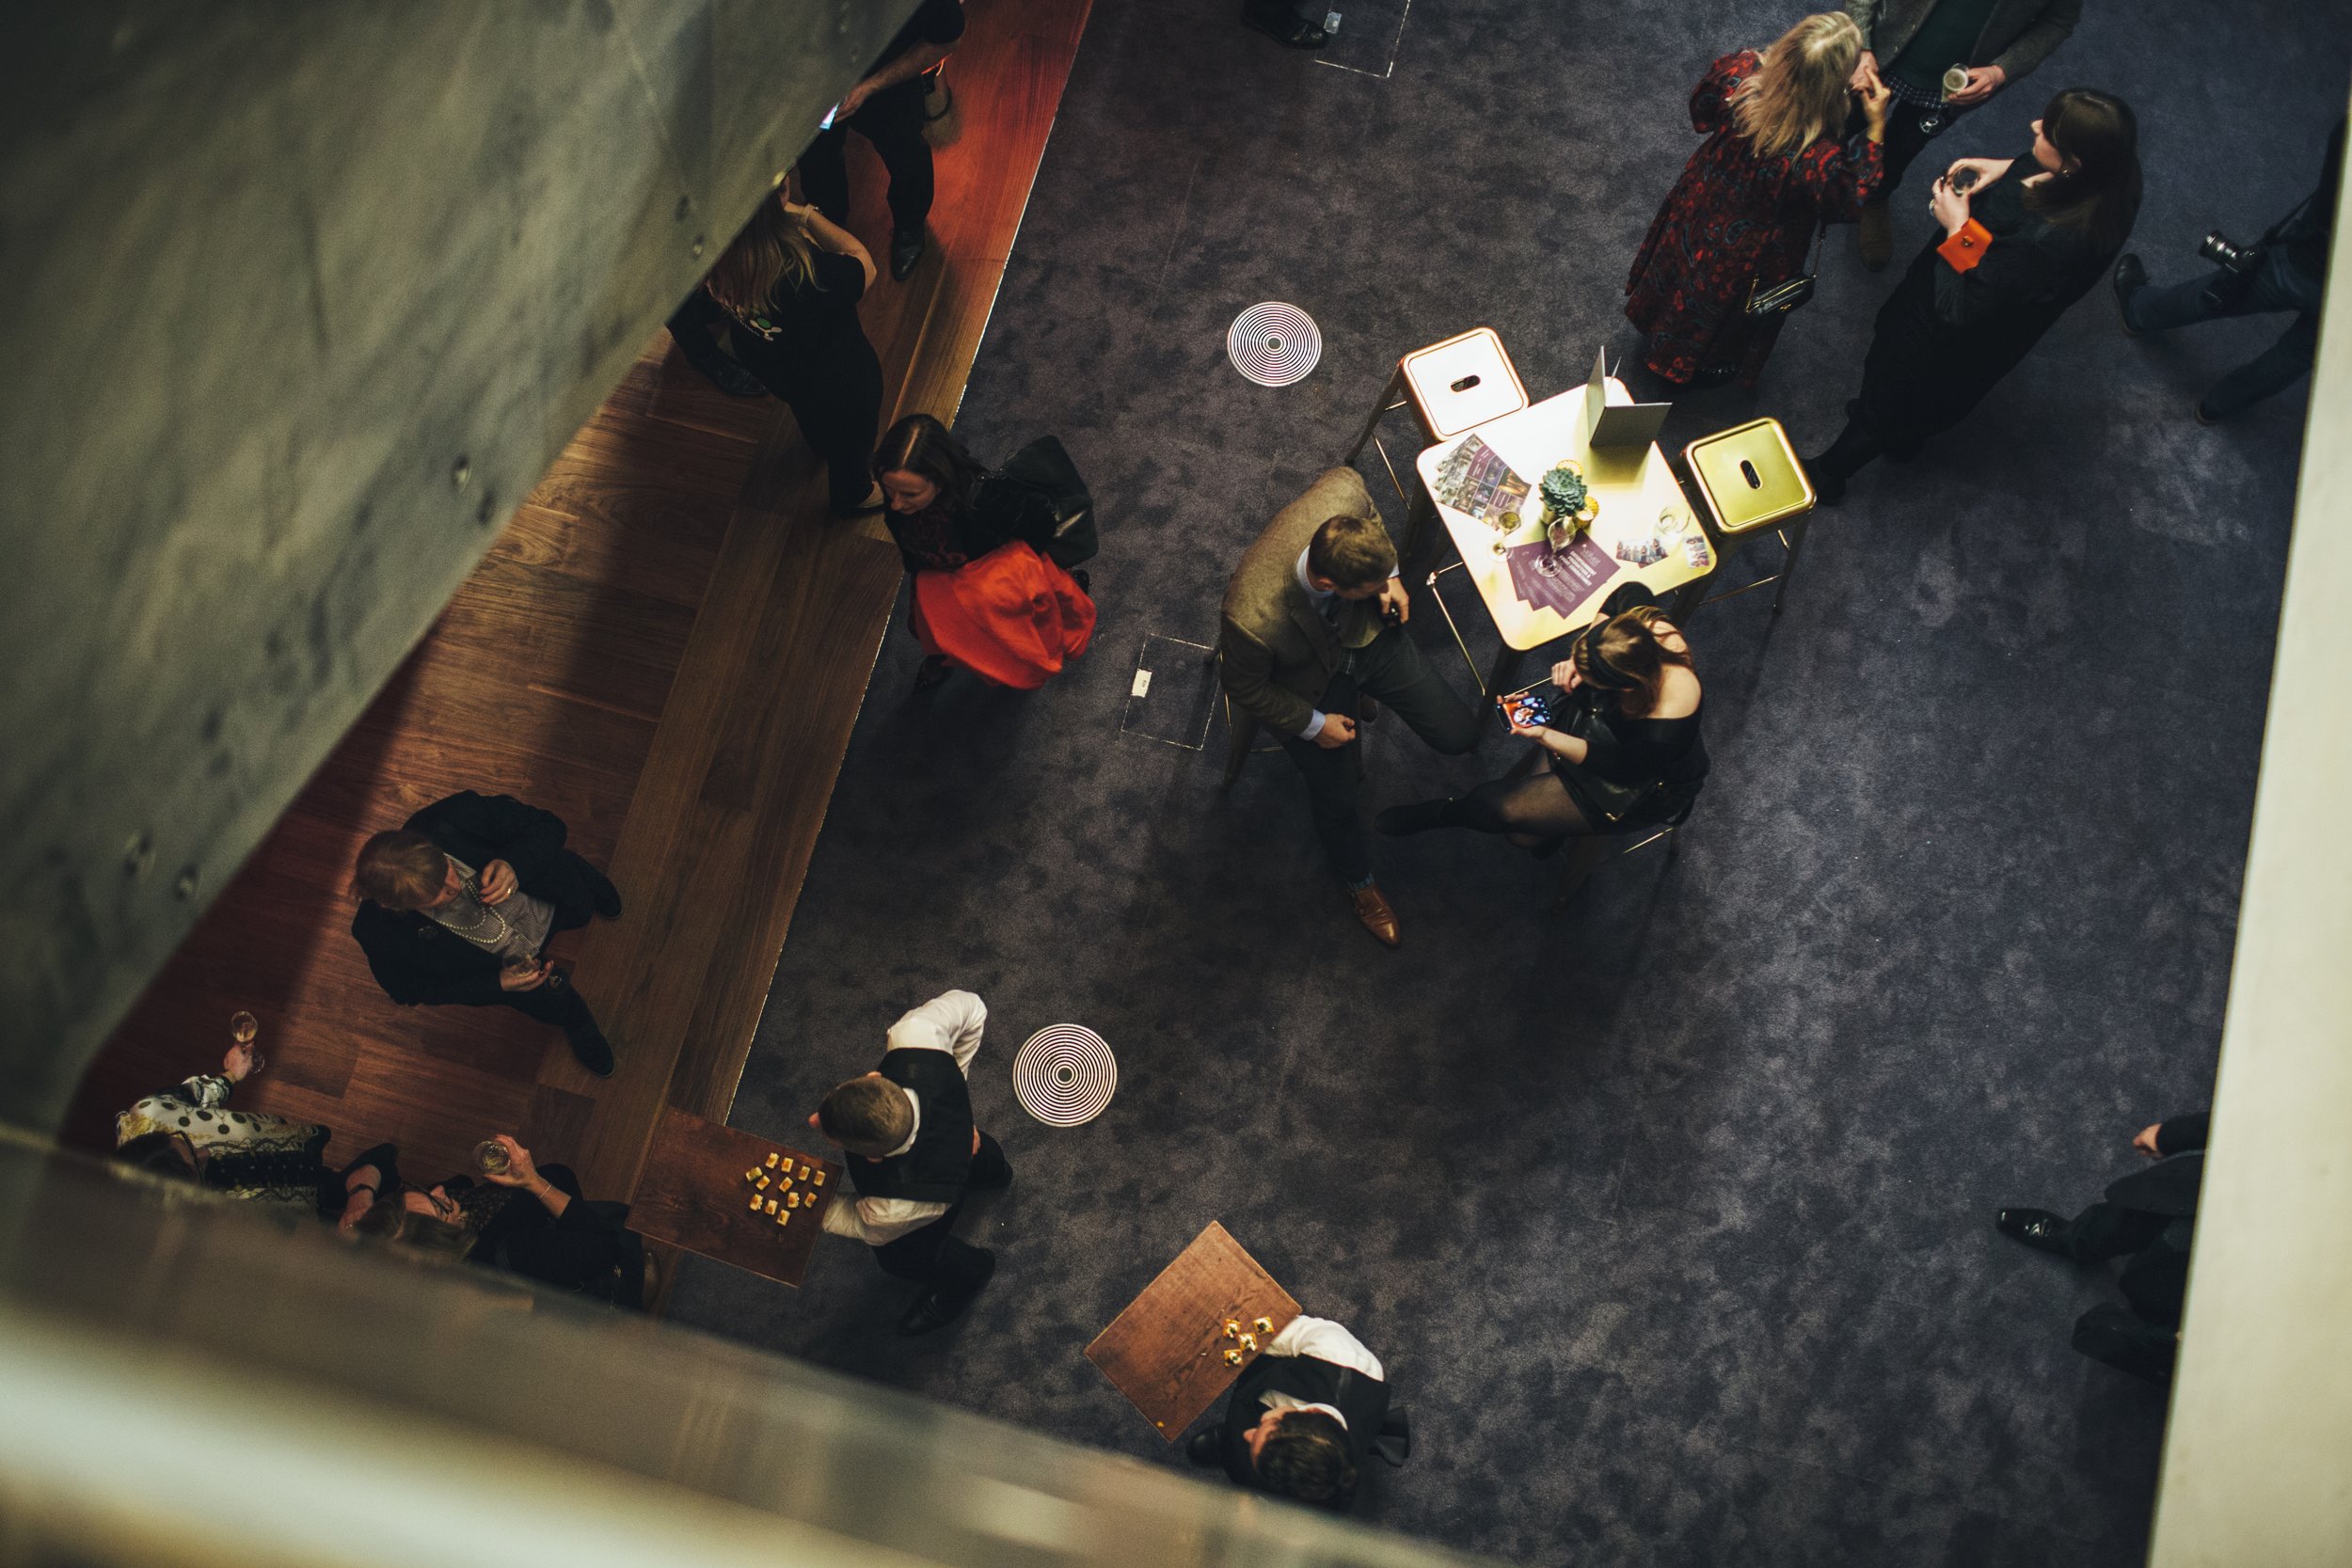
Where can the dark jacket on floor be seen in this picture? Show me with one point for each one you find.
(412, 957)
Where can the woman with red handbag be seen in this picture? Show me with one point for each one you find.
(987, 597)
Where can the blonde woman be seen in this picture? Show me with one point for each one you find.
(790, 284)
(1774, 167)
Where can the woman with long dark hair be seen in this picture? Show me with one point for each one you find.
(987, 598)
(2023, 239)
(1626, 754)
(790, 284)
(1773, 169)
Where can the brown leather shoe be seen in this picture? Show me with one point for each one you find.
(1378, 917)
(1876, 231)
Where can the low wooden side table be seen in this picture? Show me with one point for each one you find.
(694, 1195)
(1166, 1352)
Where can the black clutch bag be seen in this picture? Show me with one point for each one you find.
(1778, 300)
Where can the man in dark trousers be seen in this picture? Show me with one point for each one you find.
(1911, 44)
(1303, 1416)
(2289, 273)
(2147, 1219)
(1314, 623)
(457, 906)
(885, 106)
(913, 1150)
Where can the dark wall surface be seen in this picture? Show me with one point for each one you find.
(301, 301)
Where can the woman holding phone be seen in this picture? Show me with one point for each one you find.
(1622, 749)
(2022, 239)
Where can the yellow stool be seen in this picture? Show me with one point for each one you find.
(1450, 387)
(1752, 482)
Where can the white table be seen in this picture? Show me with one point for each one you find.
(1632, 487)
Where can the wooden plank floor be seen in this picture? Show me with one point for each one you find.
(668, 646)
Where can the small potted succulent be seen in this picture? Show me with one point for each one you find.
(1568, 504)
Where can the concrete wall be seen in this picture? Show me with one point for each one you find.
(2258, 1448)
(299, 301)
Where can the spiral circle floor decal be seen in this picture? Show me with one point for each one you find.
(1065, 1075)
(1274, 345)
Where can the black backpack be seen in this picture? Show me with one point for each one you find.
(1046, 503)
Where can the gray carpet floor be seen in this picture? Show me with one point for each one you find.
(1671, 1214)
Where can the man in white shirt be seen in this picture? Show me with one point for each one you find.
(913, 1150)
(1303, 1416)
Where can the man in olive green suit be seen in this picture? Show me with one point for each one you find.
(1315, 622)
(1910, 44)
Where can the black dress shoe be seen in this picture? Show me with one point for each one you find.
(2130, 277)
(1828, 489)
(2038, 1228)
(935, 1308)
(906, 251)
(605, 898)
(1202, 1448)
(1284, 26)
(594, 1050)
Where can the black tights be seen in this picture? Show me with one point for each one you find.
(1531, 812)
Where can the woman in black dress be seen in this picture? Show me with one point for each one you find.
(2020, 244)
(790, 283)
(1635, 759)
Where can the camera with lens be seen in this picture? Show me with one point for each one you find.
(2241, 259)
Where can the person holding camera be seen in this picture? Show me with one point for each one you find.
(2023, 239)
(2286, 270)
(1736, 226)
(1619, 745)
(1940, 60)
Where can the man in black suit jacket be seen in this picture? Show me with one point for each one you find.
(1304, 1414)
(456, 906)
(2147, 1218)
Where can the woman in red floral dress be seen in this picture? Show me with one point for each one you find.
(1739, 221)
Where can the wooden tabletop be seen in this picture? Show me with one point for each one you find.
(1167, 1351)
(694, 1194)
(1632, 489)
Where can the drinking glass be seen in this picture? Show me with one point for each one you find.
(491, 1156)
(244, 1029)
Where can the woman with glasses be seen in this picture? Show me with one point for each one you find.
(1620, 747)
